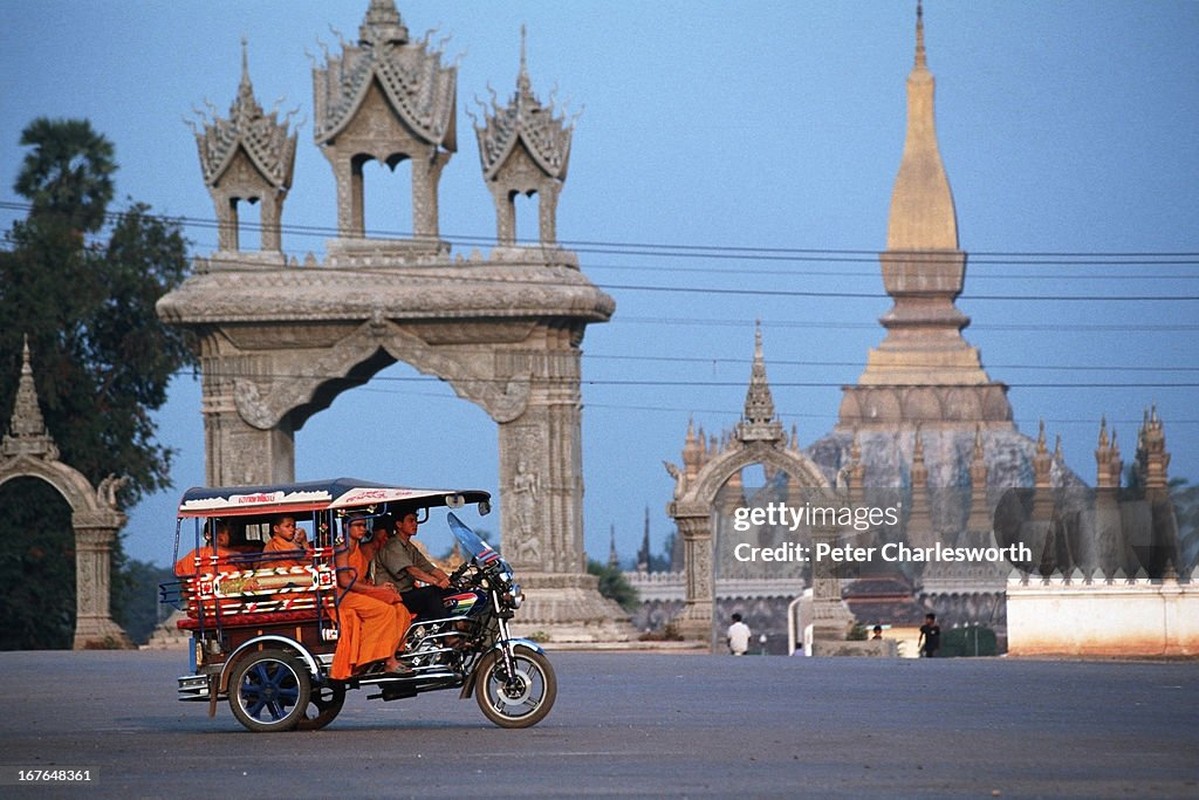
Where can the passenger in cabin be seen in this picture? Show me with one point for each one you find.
(208, 556)
(286, 540)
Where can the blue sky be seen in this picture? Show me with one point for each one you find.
(1065, 128)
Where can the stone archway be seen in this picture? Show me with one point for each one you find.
(279, 340)
(28, 450)
(757, 439)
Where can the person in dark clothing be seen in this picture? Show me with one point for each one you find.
(930, 636)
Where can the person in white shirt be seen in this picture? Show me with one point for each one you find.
(738, 636)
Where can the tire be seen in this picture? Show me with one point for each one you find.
(324, 704)
(269, 691)
(521, 701)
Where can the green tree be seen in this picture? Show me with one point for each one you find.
(102, 360)
(612, 584)
(67, 174)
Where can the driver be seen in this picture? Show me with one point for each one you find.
(403, 562)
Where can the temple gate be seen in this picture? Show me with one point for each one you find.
(28, 451)
(279, 340)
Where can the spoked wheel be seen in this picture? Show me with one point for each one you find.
(520, 699)
(324, 704)
(269, 691)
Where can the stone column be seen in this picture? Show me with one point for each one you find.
(94, 626)
(696, 620)
(426, 175)
(830, 618)
(541, 492)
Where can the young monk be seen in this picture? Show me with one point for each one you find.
(372, 618)
(285, 538)
(220, 549)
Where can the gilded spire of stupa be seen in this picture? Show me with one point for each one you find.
(923, 272)
(923, 216)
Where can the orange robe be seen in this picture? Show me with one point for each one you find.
(186, 566)
(369, 629)
(277, 545)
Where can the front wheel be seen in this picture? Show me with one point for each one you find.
(269, 691)
(520, 699)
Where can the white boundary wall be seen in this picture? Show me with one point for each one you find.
(1123, 617)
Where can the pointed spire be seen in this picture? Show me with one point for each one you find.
(523, 84)
(613, 557)
(979, 519)
(643, 555)
(922, 211)
(921, 60)
(758, 422)
(27, 434)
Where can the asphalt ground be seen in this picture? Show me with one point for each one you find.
(630, 725)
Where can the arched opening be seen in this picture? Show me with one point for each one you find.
(248, 223)
(37, 567)
(393, 428)
(525, 206)
(387, 197)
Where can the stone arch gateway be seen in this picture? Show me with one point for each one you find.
(279, 340)
(28, 451)
(757, 439)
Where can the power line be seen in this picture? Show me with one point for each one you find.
(737, 252)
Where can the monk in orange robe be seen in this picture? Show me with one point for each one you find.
(373, 619)
(285, 538)
(187, 565)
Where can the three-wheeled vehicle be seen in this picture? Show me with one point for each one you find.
(263, 634)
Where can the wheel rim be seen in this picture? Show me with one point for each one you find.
(268, 691)
(517, 695)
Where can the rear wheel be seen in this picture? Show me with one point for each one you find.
(269, 691)
(518, 699)
(324, 704)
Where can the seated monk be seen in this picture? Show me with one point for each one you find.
(285, 538)
(188, 565)
(372, 619)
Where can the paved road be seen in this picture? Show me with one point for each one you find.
(650, 725)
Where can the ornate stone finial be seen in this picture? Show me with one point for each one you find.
(524, 148)
(919, 470)
(265, 139)
(27, 429)
(524, 120)
(979, 519)
(382, 25)
(1152, 457)
(416, 86)
(758, 422)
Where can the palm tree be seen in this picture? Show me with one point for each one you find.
(68, 174)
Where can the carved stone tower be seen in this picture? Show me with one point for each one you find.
(387, 99)
(525, 149)
(924, 370)
(247, 158)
